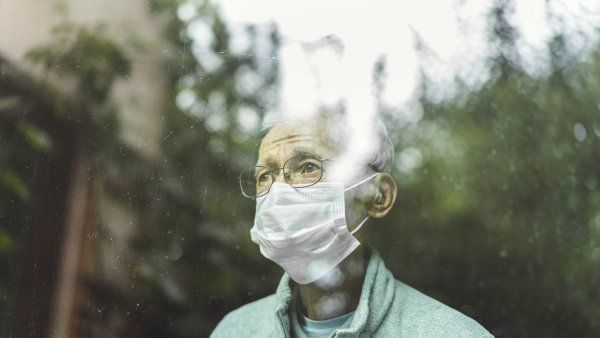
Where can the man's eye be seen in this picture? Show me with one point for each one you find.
(308, 168)
(264, 177)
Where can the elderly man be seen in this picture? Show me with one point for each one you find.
(314, 198)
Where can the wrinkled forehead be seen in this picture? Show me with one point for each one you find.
(288, 139)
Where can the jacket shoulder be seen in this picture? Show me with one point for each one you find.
(252, 319)
(418, 315)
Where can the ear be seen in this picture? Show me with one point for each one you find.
(384, 198)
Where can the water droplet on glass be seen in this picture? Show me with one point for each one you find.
(579, 132)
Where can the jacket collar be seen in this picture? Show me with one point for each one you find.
(375, 300)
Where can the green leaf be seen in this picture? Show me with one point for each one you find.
(36, 137)
(14, 183)
(6, 242)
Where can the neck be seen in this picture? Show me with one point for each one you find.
(338, 292)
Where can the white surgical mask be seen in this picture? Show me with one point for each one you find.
(304, 230)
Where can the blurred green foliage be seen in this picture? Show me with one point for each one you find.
(196, 224)
(88, 53)
(499, 207)
(35, 118)
(500, 216)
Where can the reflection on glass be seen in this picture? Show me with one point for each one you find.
(124, 129)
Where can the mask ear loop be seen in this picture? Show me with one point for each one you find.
(361, 182)
(352, 187)
(360, 225)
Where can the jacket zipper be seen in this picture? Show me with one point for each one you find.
(285, 332)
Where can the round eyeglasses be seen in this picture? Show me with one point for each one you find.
(300, 171)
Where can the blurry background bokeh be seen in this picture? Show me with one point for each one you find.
(124, 125)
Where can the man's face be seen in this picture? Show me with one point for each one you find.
(287, 140)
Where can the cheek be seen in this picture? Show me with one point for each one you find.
(354, 209)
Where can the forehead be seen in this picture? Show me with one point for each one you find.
(285, 140)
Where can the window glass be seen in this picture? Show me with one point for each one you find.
(131, 132)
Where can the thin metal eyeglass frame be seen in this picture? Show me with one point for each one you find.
(274, 177)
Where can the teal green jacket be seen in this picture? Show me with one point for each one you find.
(387, 308)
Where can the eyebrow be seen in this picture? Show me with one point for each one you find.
(305, 151)
(296, 151)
